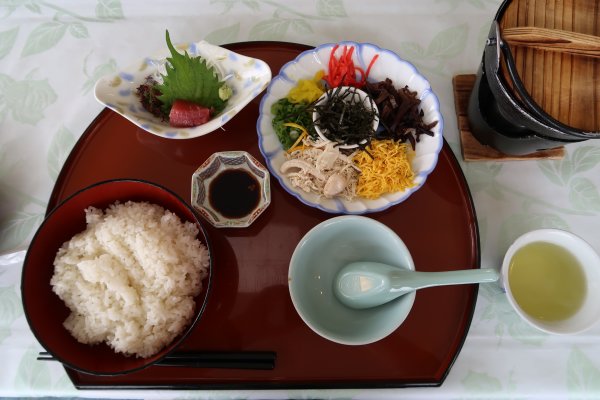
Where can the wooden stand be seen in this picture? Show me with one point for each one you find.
(472, 149)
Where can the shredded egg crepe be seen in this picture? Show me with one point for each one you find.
(387, 171)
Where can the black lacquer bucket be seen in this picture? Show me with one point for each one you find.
(510, 124)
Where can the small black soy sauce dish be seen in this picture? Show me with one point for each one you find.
(231, 189)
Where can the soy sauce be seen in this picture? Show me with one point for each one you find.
(234, 193)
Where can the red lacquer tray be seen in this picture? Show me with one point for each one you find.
(250, 307)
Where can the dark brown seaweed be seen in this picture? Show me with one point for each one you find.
(400, 114)
(148, 95)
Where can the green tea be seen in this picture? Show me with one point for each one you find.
(547, 281)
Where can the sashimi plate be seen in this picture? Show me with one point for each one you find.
(246, 76)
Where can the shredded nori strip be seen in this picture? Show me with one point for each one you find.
(400, 114)
(148, 95)
(344, 120)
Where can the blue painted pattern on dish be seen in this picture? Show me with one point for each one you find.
(126, 76)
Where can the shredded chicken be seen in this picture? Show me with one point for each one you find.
(320, 168)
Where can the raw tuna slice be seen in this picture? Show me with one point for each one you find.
(186, 114)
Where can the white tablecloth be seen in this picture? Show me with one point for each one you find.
(52, 52)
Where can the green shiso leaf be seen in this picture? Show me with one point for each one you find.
(189, 78)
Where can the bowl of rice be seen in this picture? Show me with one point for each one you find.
(116, 277)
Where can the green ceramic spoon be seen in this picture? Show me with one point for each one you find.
(367, 284)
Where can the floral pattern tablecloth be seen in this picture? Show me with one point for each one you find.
(52, 52)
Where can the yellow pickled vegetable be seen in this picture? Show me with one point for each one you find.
(307, 90)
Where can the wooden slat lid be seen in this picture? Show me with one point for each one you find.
(565, 85)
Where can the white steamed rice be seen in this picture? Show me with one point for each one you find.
(131, 277)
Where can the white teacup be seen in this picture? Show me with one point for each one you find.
(585, 314)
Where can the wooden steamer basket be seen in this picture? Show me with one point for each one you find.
(538, 86)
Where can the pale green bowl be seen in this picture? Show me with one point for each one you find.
(321, 253)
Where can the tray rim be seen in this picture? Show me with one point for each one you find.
(278, 385)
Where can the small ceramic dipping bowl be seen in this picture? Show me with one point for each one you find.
(231, 189)
(347, 94)
(318, 258)
(552, 280)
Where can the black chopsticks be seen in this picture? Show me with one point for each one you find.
(234, 360)
(260, 360)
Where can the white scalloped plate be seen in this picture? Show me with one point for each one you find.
(388, 65)
(250, 76)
